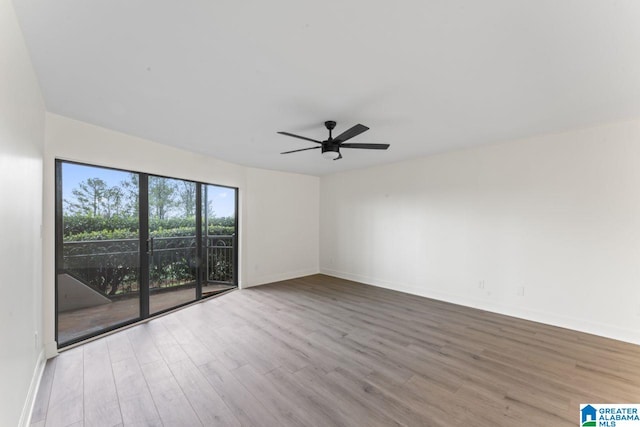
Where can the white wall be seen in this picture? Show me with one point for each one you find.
(21, 144)
(558, 215)
(269, 201)
(284, 210)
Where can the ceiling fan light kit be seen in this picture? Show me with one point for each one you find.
(330, 148)
(330, 153)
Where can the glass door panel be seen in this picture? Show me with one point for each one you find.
(173, 255)
(97, 250)
(219, 211)
(130, 245)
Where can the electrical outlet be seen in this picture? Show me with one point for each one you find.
(481, 284)
(520, 291)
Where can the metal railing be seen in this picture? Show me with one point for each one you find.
(111, 266)
(220, 258)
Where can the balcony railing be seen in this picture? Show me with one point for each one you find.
(111, 266)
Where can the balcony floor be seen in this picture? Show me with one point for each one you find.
(87, 321)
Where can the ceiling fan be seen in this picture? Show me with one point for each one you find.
(331, 147)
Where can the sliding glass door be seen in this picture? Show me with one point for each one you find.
(131, 245)
(173, 259)
(220, 238)
(97, 251)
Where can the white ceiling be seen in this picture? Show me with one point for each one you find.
(221, 77)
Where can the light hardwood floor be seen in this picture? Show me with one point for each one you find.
(322, 351)
(80, 322)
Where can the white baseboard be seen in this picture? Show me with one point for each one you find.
(27, 409)
(263, 280)
(553, 319)
(51, 349)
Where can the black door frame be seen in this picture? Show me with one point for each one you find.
(143, 249)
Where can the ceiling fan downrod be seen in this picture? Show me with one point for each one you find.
(330, 124)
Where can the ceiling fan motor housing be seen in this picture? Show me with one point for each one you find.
(330, 150)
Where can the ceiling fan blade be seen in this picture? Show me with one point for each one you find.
(301, 137)
(302, 149)
(367, 146)
(350, 133)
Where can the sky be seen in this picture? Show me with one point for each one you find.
(73, 174)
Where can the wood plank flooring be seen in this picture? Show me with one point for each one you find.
(74, 324)
(321, 351)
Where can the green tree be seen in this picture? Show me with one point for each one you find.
(94, 198)
(131, 189)
(187, 194)
(89, 197)
(114, 199)
(161, 197)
